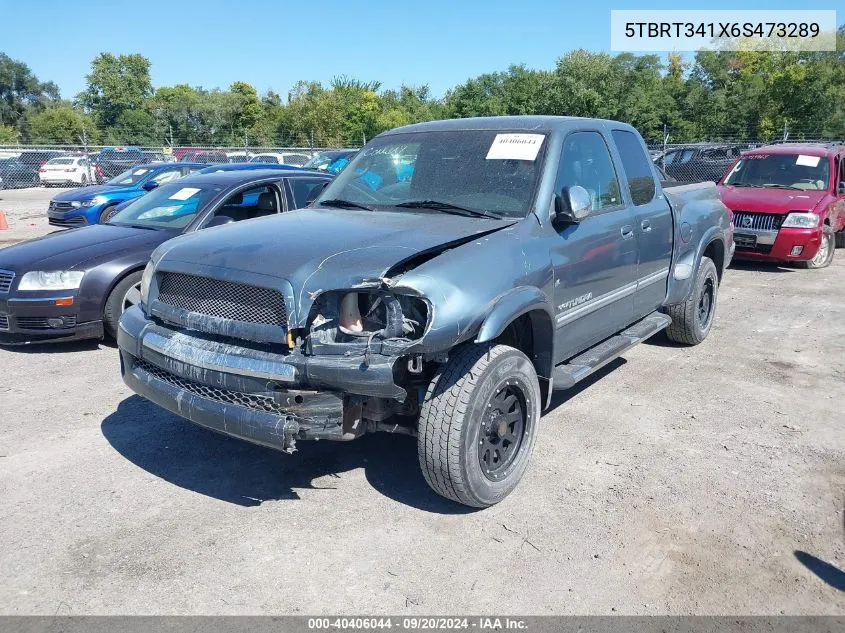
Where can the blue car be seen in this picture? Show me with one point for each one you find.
(97, 203)
(213, 169)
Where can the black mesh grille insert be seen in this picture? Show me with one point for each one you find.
(227, 396)
(223, 299)
(4, 322)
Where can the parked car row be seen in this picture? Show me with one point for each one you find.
(30, 168)
(443, 285)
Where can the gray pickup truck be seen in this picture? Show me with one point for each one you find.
(443, 285)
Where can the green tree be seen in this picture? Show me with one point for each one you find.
(21, 91)
(61, 124)
(116, 84)
(8, 135)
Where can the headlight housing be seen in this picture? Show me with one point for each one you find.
(95, 201)
(146, 279)
(51, 280)
(800, 220)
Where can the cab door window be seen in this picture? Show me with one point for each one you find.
(586, 162)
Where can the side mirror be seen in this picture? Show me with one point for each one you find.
(574, 205)
(149, 185)
(315, 191)
(219, 220)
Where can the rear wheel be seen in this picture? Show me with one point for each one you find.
(692, 319)
(826, 251)
(478, 424)
(125, 294)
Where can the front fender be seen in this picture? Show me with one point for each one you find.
(509, 306)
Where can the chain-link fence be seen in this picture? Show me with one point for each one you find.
(79, 165)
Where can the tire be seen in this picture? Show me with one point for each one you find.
(115, 304)
(458, 428)
(826, 251)
(107, 213)
(692, 319)
(840, 238)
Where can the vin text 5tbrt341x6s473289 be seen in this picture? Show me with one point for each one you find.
(451, 277)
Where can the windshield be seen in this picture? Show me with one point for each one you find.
(479, 170)
(171, 206)
(129, 177)
(792, 171)
(60, 161)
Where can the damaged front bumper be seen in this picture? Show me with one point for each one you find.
(259, 396)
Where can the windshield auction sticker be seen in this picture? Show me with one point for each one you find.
(651, 30)
(184, 193)
(515, 146)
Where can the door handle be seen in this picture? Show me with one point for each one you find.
(627, 232)
(646, 226)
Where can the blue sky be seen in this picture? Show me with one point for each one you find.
(274, 43)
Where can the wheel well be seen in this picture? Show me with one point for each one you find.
(533, 335)
(116, 281)
(716, 251)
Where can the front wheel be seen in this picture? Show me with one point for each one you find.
(125, 294)
(826, 251)
(692, 319)
(107, 213)
(478, 424)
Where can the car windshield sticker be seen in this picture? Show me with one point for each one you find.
(515, 146)
(184, 193)
(158, 212)
(808, 161)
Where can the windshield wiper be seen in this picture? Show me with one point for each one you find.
(133, 226)
(448, 207)
(780, 186)
(743, 184)
(344, 204)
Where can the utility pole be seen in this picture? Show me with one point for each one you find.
(312, 142)
(170, 139)
(785, 131)
(84, 140)
(246, 146)
(665, 142)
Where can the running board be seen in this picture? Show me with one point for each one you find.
(568, 374)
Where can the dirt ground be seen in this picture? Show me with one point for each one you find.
(703, 480)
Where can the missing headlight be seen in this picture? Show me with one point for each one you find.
(343, 317)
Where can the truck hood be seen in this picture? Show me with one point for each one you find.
(86, 193)
(67, 250)
(322, 249)
(769, 200)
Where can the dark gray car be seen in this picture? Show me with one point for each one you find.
(449, 279)
(75, 284)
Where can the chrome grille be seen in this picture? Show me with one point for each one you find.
(222, 299)
(59, 206)
(227, 396)
(4, 322)
(6, 277)
(757, 221)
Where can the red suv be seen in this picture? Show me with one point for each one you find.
(788, 202)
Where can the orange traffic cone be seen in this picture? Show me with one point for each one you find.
(4, 224)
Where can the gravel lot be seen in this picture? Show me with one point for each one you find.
(707, 480)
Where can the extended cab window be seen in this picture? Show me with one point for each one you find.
(586, 162)
(637, 166)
